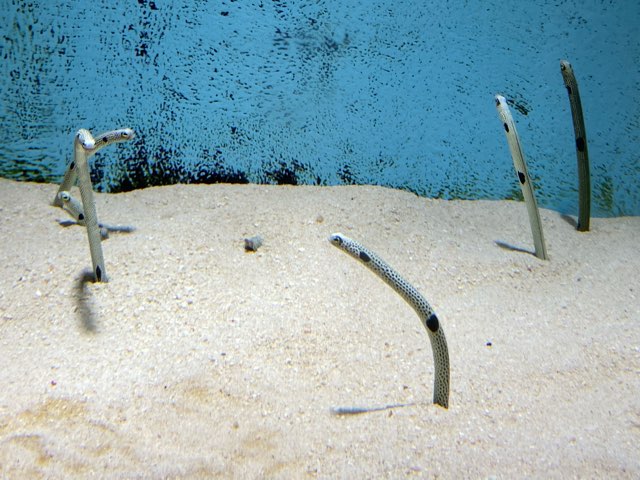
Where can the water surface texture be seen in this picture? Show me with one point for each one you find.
(326, 92)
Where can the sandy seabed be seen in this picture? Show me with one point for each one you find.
(200, 360)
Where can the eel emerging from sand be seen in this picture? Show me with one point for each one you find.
(82, 144)
(418, 303)
(523, 176)
(584, 180)
(103, 140)
(73, 207)
(84, 147)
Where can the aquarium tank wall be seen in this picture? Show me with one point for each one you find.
(399, 94)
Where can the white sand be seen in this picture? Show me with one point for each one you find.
(200, 360)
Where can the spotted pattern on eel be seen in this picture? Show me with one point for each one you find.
(523, 176)
(73, 207)
(84, 147)
(415, 299)
(83, 143)
(103, 140)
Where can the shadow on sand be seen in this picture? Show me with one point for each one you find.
(83, 300)
(513, 248)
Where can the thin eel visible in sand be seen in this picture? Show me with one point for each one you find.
(104, 139)
(417, 302)
(73, 206)
(523, 176)
(584, 180)
(82, 144)
(84, 147)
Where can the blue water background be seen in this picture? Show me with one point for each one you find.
(326, 92)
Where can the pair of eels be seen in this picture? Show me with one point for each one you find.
(84, 147)
(584, 183)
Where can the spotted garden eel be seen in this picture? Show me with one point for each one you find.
(73, 206)
(523, 176)
(82, 144)
(584, 180)
(84, 147)
(103, 140)
(417, 302)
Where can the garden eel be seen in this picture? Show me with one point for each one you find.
(103, 140)
(417, 302)
(523, 176)
(584, 181)
(82, 144)
(84, 147)
(73, 206)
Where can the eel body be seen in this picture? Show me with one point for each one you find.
(523, 176)
(73, 207)
(82, 144)
(103, 140)
(409, 293)
(584, 179)
(84, 147)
